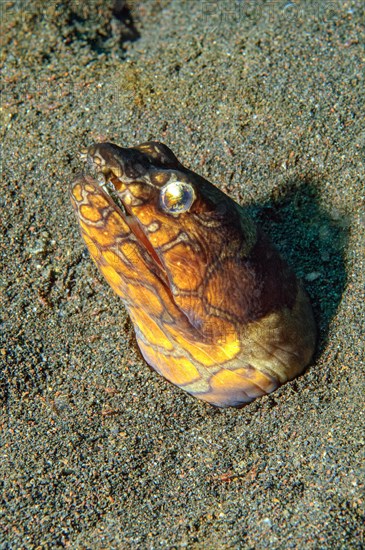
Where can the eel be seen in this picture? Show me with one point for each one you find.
(216, 310)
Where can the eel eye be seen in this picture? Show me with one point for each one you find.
(177, 197)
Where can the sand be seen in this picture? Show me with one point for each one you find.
(266, 100)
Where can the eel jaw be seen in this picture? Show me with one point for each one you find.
(110, 186)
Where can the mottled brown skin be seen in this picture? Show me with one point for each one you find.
(215, 309)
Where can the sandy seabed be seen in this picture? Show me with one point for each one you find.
(266, 100)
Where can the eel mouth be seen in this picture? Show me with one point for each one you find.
(111, 186)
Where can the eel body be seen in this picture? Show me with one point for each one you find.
(215, 308)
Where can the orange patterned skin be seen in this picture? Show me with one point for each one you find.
(215, 309)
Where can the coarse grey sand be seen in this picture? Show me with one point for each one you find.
(267, 101)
